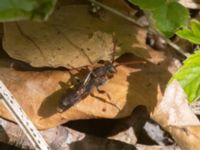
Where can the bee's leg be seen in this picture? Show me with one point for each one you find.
(76, 80)
(103, 92)
(64, 85)
(105, 101)
(74, 73)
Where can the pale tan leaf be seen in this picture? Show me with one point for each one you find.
(176, 116)
(72, 37)
(192, 4)
(39, 92)
(63, 138)
(174, 109)
(188, 137)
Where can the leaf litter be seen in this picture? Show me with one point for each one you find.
(141, 84)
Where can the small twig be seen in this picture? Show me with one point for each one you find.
(116, 12)
(169, 42)
(176, 47)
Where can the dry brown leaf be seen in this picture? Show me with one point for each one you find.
(128, 129)
(127, 136)
(63, 138)
(192, 4)
(175, 115)
(139, 128)
(72, 38)
(188, 137)
(39, 92)
(174, 109)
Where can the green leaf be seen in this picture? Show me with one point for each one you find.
(195, 27)
(189, 76)
(11, 10)
(148, 4)
(193, 34)
(169, 17)
(166, 16)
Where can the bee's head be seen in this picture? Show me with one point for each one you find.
(111, 69)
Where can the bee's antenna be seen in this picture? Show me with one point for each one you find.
(131, 63)
(114, 48)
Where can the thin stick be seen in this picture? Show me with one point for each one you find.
(115, 12)
(176, 47)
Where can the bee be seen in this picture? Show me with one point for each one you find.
(94, 79)
(97, 77)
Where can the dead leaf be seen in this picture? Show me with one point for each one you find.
(188, 137)
(69, 42)
(195, 106)
(192, 4)
(39, 92)
(128, 129)
(176, 116)
(62, 138)
(174, 109)
(127, 136)
(139, 128)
